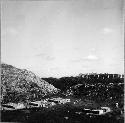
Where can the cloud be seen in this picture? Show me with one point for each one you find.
(12, 31)
(45, 56)
(107, 30)
(50, 58)
(91, 57)
(9, 31)
(88, 58)
(40, 55)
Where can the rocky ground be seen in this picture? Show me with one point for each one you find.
(20, 85)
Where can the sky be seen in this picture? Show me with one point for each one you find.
(63, 38)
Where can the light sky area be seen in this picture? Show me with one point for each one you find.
(63, 38)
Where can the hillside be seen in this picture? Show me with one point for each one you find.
(99, 89)
(101, 93)
(19, 85)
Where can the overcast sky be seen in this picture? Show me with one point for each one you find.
(63, 38)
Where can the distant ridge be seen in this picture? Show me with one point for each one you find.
(20, 85)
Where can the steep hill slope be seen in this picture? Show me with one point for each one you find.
(22, 85)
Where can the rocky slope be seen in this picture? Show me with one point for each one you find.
(19, 85)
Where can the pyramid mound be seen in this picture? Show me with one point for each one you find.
(19, 85)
